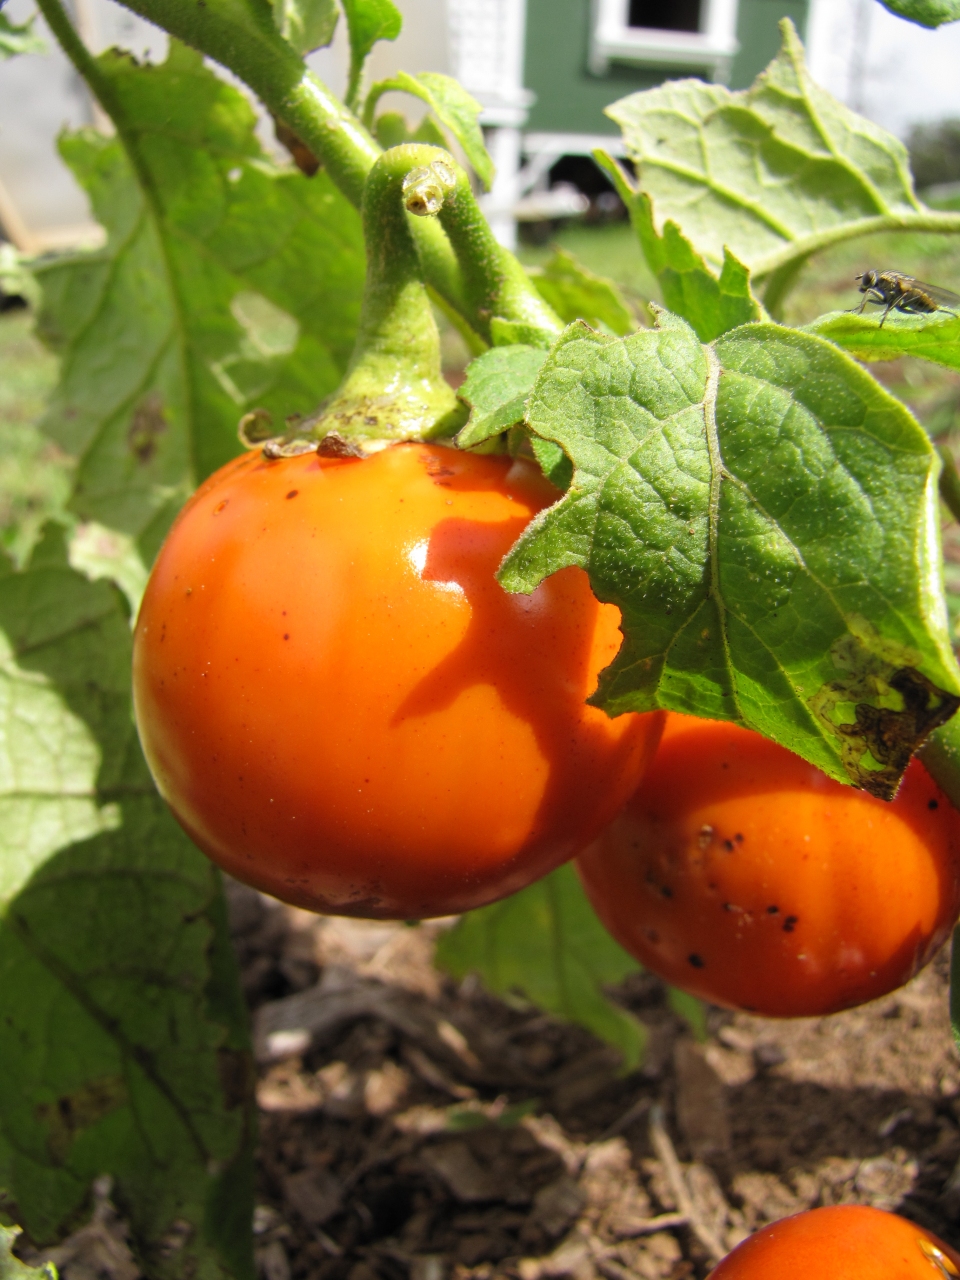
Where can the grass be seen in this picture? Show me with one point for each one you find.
(34, 474)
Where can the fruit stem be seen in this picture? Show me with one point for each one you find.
(394, 388)
(241, 36)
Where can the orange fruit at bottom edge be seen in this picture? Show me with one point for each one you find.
(845, 1242)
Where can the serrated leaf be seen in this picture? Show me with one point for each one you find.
(306, 24)
(577, 294)
(11, 1268)
(226, 283)
(546, 943)
(369, 21)
(453, 107)
(764, 514)
(926, 13)
(496, 389)
(932, 337)
(770, 173)
(18, 39)
(123, 1041)
(711, 304)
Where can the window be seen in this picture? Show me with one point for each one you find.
(665, 15)
(696, 34)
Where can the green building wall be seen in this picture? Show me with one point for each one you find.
(571, 100)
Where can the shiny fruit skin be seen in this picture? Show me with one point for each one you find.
(343, 708)
(741, 873)
(843, 1242)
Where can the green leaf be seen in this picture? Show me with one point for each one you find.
(453, 107)
(226, 284)
(11, 1268)
(711, 304)
(14, 39)
(123, 1039)
(546, 943)
(926, 13)
(932, 337)
(765, 516)
(369, 21)
(577, 294)
(496, 389)
(770, 173)
(306, 24)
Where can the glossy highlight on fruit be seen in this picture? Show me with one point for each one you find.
(343, 707)
(842, 1242)
(744, 875)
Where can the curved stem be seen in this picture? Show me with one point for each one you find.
(494, 282)
(394, 388)
(241, 36)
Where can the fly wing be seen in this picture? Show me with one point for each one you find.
(942, 297)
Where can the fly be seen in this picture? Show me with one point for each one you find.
(894, 291)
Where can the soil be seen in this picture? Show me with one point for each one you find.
(412, 1128)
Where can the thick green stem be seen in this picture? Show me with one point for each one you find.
(241, 36)
(394, 388)
(495, 284)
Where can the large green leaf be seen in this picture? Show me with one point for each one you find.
(935, 338)
(926, 13)
(546, 943)
(123, 1042)
(770, 173)
(765, 516)
(226, 283)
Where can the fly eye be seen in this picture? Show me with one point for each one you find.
(937, 1258)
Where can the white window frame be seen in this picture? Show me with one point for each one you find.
(712, 47)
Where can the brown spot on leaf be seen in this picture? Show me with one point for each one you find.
(146, 427)
(876, 746)
(71, 1114)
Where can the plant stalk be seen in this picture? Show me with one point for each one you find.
(240, 35)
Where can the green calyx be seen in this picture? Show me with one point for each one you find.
(394, 388)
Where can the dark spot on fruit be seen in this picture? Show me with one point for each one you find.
(728, 845)
(790, 924)
(932, 804)
(696, 961)
(772, 911)
(728, 906)
(724, 765)
(665, 891)
(286, 635)
(219, 507)
(739, 838)
(293, 493)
